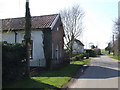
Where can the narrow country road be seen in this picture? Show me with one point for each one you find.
(102, 73)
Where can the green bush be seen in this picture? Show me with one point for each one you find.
(97, 51)
(91, 52)
(73, 58)
(77, 57)
(80, 56)
(13, 64)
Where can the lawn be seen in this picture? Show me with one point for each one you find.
(50, 79)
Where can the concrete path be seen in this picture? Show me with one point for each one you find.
(102, 73)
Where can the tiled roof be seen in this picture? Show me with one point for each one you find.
(36, 21)
(79, 42)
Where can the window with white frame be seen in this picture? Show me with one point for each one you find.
(60, 48)
(57, 52)
(52, 50)
(57, 28)
(60, 51)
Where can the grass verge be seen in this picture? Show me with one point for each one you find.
(116, 57)
(111, 55)
(50, 79)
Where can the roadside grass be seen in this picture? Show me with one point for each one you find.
(50, 79)
(104, 52)
(116, 57)
(111, 55)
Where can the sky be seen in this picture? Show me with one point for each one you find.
(98, 21)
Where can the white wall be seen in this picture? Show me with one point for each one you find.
(37, 37)
(38, 53)
(9, 37)
(77, 48)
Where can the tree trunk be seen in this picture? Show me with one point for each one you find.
(27, 38)
(119, 44)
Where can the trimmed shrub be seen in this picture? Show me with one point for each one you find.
(91, 52)
(97, 51)
(13, 64)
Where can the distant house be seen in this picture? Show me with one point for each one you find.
(78, 47)
(47, 38)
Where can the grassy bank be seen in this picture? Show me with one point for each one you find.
(50, 79)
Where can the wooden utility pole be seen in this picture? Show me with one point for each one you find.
(27, 37)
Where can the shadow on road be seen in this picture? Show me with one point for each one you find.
(97, 72)
(94, 72)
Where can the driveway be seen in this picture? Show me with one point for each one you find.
(102, 73)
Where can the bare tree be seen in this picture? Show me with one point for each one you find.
(116, 32)
(72, 23)
(118, 24)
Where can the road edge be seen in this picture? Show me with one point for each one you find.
(79, 72)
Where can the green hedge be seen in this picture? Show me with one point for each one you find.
(13, 64)
(93, 52)
(77, 57)
(97, 51)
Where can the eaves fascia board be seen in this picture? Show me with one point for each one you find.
(54, 22)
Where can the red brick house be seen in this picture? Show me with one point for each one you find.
(47, 36)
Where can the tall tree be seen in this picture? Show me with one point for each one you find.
(116, 32)
(93, 47)
(119, 43)
(72, 23)
(108, 48)
(118, 24)
(27, 37)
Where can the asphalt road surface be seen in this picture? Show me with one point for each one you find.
(102, 73)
